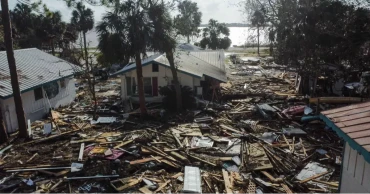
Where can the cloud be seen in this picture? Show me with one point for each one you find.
(222, 10)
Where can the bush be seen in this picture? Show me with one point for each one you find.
(169, 99)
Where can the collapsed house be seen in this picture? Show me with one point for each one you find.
(202, 71)
(45, 82)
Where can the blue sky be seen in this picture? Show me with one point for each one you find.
(226, 11)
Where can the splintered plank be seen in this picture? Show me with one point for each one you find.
(145, 160)
(145, 190)
(314, 177)
(286, 188)
(123, 144)
(228, 185)
(162, 186)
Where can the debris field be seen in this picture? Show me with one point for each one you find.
(260, 137)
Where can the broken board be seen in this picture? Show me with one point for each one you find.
(258, 159)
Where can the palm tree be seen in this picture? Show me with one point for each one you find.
(164, 37)
(83, 20)
(258, 20)
(130, 21)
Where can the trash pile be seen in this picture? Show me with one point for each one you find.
(248, 144)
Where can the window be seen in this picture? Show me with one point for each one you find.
(63, 83)
(38, 94)
(51, 90)
(147, 86)
(155, 67)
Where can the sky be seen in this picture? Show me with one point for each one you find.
(226, 11)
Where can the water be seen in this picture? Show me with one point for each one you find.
(238, 35)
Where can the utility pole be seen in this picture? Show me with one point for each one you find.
(13, 70)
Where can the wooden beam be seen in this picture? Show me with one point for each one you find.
(228, 186)
(144, 160)
(123, 144)
(162, 186)
(326, 183)
(286, 188)
(314, 177)
(201, 160)
(81, 155)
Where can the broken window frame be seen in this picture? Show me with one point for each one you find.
(38, 93)
(51, 90)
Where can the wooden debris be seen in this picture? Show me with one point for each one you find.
(145, 190)
(81, 154)
(228, 185)
(123, 144)
(286, 188)
(314, 177)
(162, 186)
(326, 183)
(201, 160)
(144, 160)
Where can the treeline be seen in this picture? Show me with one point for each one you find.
(308, 35)
(34, 25)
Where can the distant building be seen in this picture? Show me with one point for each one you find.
(352, 123)
(198, 69)
(45, 82)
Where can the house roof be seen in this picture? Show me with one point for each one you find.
(35, 68)
(352, 123)
(187, 63)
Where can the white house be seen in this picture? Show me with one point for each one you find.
(352, 123)
(197, 69)
(45, 81)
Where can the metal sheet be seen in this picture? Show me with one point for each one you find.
(192, 181)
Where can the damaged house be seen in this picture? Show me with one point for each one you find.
(201, 70)
(45, 82)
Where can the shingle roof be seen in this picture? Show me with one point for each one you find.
(352, 123)
(186, 62)
(35, 68)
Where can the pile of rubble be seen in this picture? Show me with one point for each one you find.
(260, 142)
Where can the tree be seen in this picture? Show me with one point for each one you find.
(189, 19)
(258, 20)
(130, 21)
(164, 41)
(215, 36)
(13, 70)
(83, 20)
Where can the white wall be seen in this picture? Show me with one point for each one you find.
(35, 110)
(355, 172)
(185, 79)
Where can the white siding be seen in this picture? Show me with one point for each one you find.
(355, 173)
(36, 109)
(185, 79)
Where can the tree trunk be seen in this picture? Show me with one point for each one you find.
(52, 47)
(88, 69)
(3, 132)
(171, 60)
(188, 38)
(258, 40)
(13, 70)
(140, 84)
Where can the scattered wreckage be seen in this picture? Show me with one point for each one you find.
(261, 138)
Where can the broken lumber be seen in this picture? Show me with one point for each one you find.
(81, 154)
(123, 144)
(162, 186)
(145, 190)
(314, 177)
(228, 186)
(326, 183)
(229, 128)
(145, 160)
(201, 160)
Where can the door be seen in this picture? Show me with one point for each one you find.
(155, 86)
